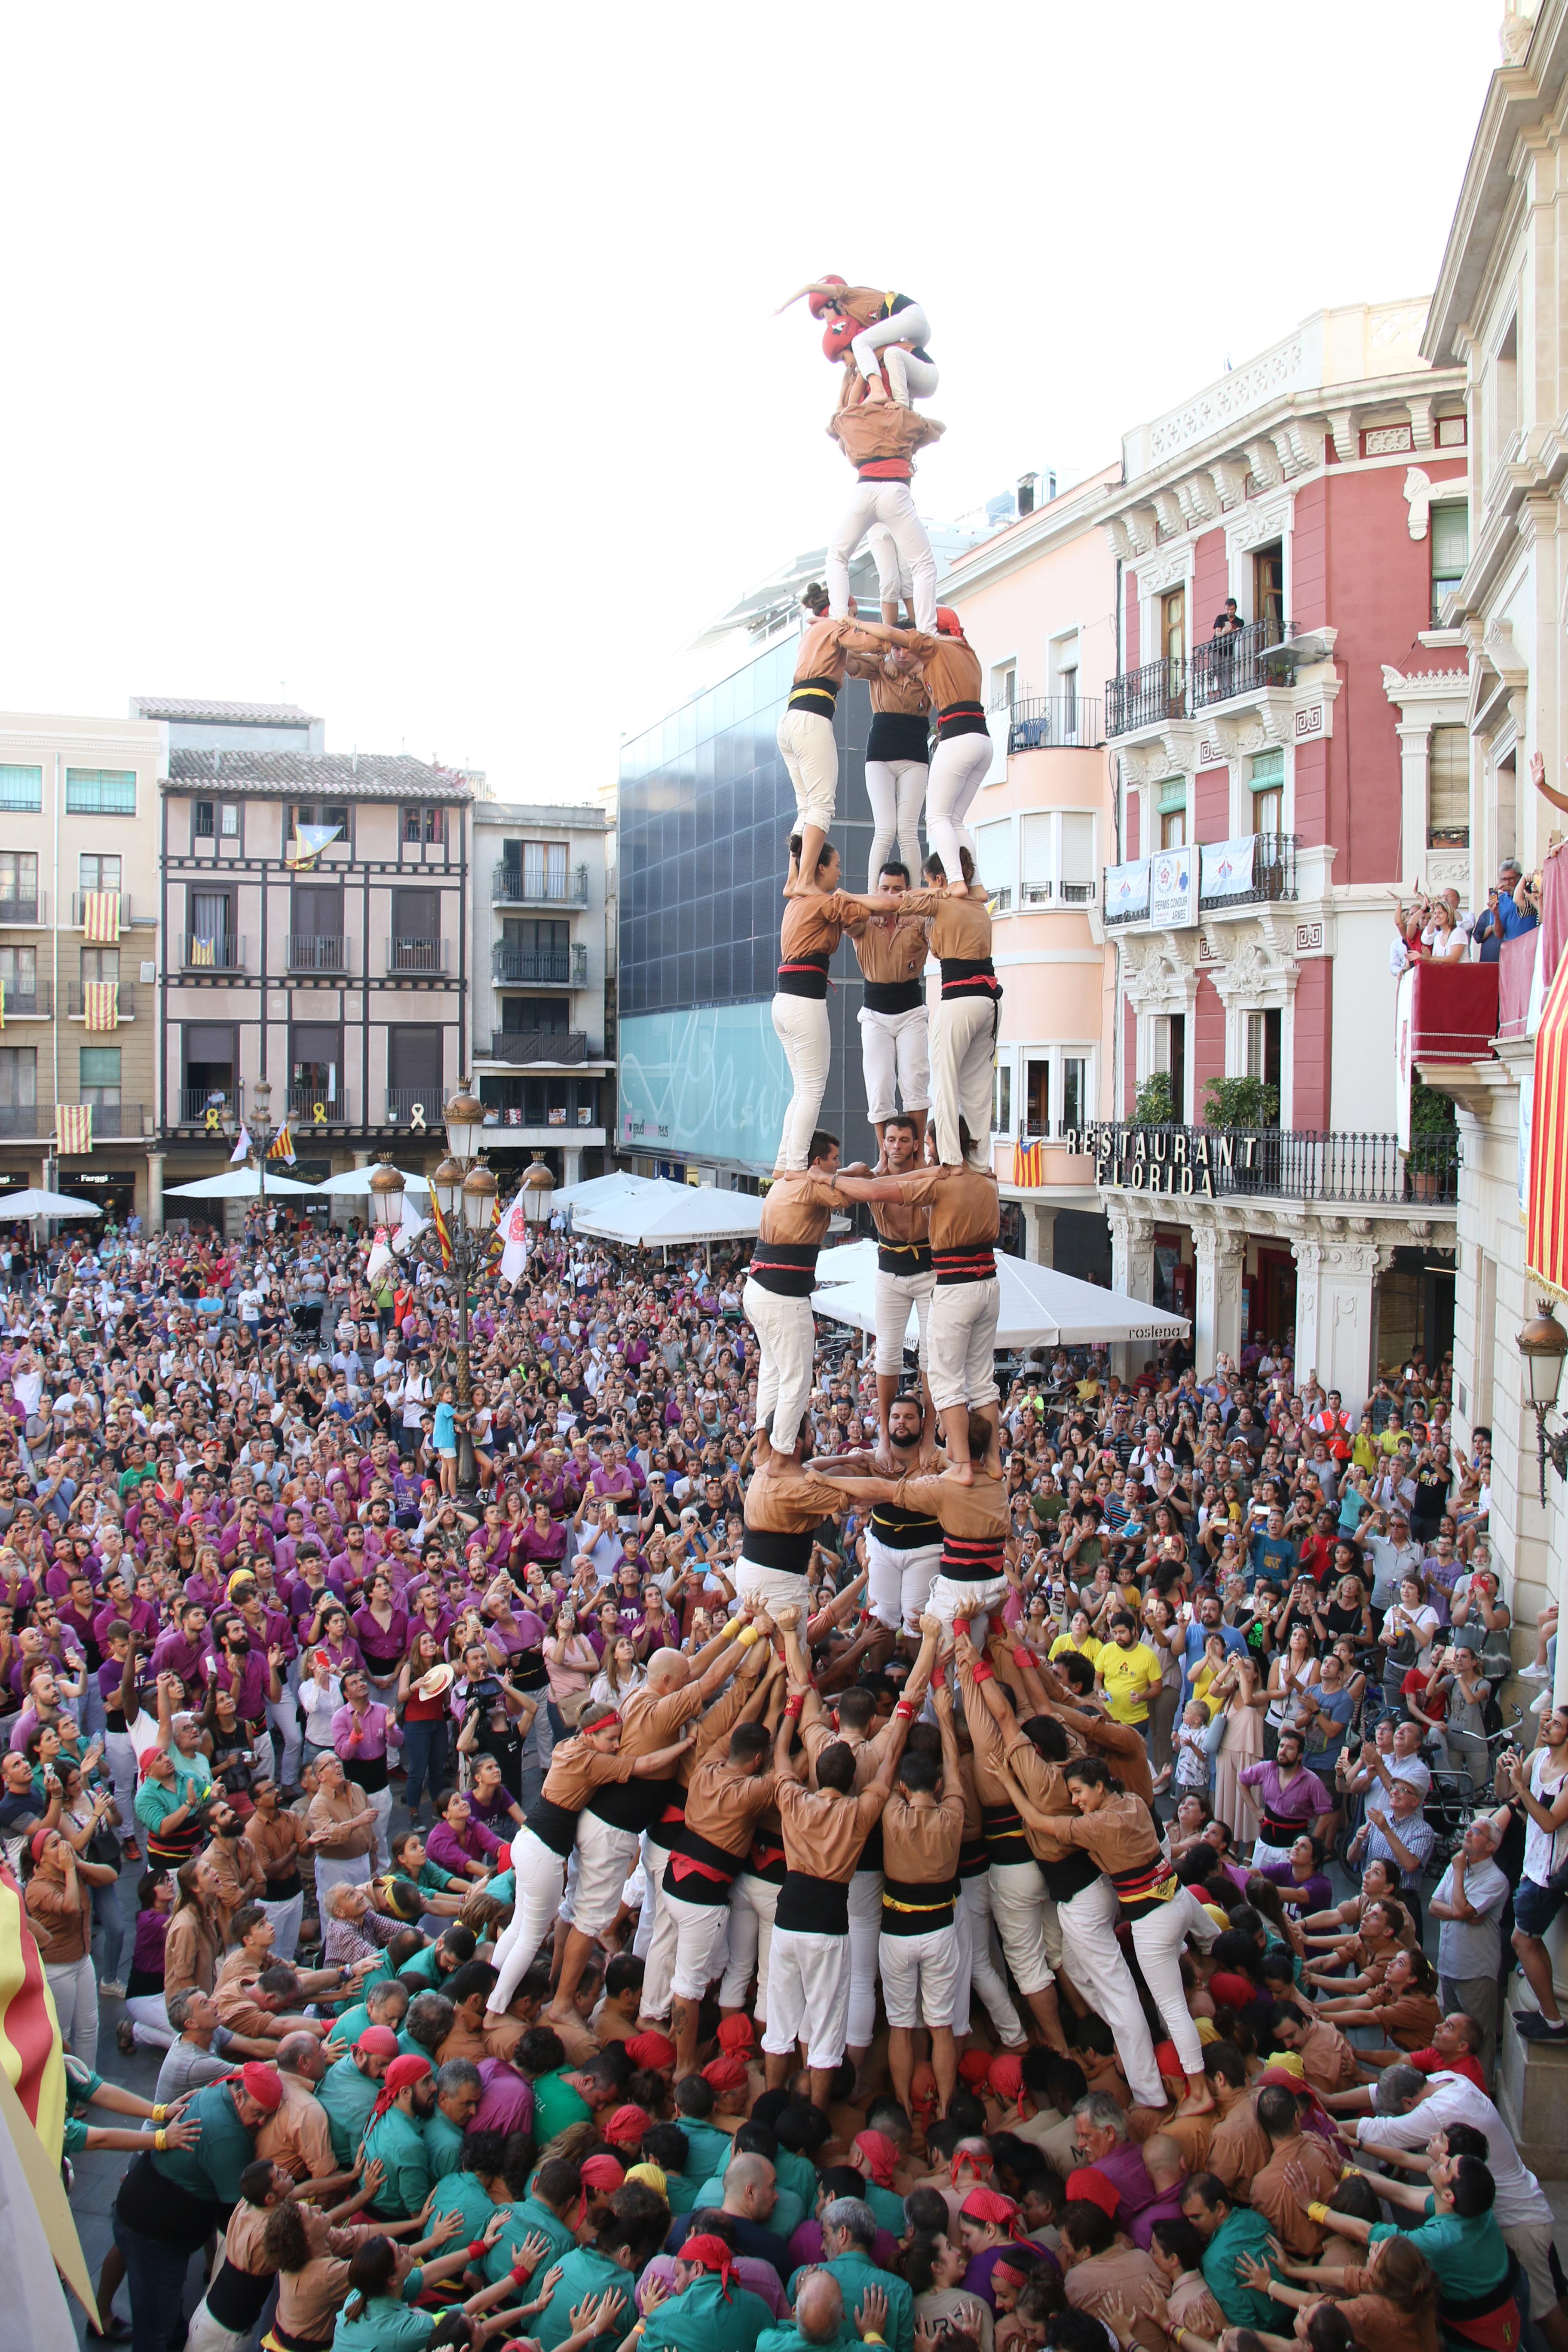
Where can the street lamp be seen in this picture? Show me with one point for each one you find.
(386, 1197)
(466, 1195)
(1543, 1344)
(538, 1193)
(253, 1119)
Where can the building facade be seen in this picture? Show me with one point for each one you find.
(545, 978)
(316, 933)
(1273, 789)
(78, 930)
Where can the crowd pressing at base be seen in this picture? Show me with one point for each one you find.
(672, 1900)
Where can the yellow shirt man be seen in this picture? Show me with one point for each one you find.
(1127, 1678)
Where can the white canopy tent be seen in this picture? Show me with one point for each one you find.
(663, 1214)
(620, 1184)
(32, 1202)
(357, 1180)
(1040, 1308)
(238, 1184)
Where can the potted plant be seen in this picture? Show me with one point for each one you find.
(1241, 1102)
(1434, 1126)
(1156, 1104)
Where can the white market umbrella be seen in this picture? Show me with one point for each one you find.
(35, 1203)
(357, 1180)
(670, 1215)
(620, 1184)
(237, 1184)
(1039, 1307)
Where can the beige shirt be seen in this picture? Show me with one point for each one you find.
(1126, 2272)
(949, 666)
(330, 1809)
(965, 1206)
(891, 689)
(794, 1505)
(887, 948)
(959, 930)
(724, 1803)
(814, 926)
(296, 2134)
(577, 1771)
(880, 429)
(797, 1209)
(920, 1842)
(825, 1833)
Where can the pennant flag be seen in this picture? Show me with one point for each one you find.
(308, 842)
(514, 1248)
(1546, 1219)
(100, 916)
(1028, 1164)
(409, 1231)
(439, 1220)
(100, 1003)
(73, 1126)
(380, 1257)
(282, 1145)
(242, 1148)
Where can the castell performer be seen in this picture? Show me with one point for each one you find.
(881, 440)
(878, 331)
(895, 1027)
(969, 1502)
(778, 1295)
(806, 737)
(815, 920)
(964, 1042)
(904, 1548)
(898, 751)
(951, 668)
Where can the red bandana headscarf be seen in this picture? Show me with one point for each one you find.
(262, 2083)
(652, 2050)
(881, 2156)
(725, 2073)
(710, 2254)
(988, 2205)
(398, 2076)
(627, 2126)
(976, 2159)
(736, 2034)
(1004, 2076)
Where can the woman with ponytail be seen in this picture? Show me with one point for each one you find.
(385, 2281)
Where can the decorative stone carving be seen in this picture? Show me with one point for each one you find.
(1168, 568)
(1391, 440)
(1418, 499)
(1235, 395)
(1168, 507)
(1229, 480)
(1347, 444)
(1421, 423)
(1264, 460)
(1257, 525)
(1301, 444)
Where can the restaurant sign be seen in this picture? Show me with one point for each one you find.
(1165, 1158)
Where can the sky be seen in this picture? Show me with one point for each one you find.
(420, 365)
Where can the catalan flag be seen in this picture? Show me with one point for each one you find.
(73, 1126)
(100, 1003)
(100, 916)
(1028, 1165)
(282, 1145)
(442, 1233)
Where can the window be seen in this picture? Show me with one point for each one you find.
(1263, 1045)
(96, 873)
(101, 1077)
(1449, 788)
(1269, 586)
(1173, 625)
(231, 820)
(993, 856)
(19, 885)
(1075, 1090)
(1004, 685)
(544, 867)
(314, 1050)
(21, 788)
(334, 813)
(1267, 784)
(1077, 857)
(210, 1064)
(100, 791)
(548, 1016)
(1172, 806)
(1037, 1096)
(206, 821)
(1451, 536)
(421, 823)
(1037, 859)
(100, 963)
(18, 1077)
(1067, 688)
(1002, 1101)
(19, 976)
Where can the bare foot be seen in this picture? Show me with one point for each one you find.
(876, 392)
(961, 1473)
(1199, 2101)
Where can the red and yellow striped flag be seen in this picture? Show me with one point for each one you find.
(1028, 1164)
(30, 2036)
(1546, 1217)
(442, 1234)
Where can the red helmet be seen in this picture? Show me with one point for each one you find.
(819, 297)
(837, 336)
(948, 623)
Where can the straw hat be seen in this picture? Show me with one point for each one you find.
(436, 1682)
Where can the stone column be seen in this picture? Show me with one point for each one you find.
(154, 1191)
(1334, 1281)
(1220, 1254)
(1131, 1266)
(1040, 1224)
(571, 1163)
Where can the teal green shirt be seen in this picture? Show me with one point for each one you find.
(1242, 2232)
(1468, 2258)
(348, 2026)
(210, 2170)
(790, 2339)
(854, 2272)
(708, 2150)
(525, 2215)
(787, 2214)
(681, 2193)
(83, 2086)
(348, 2097)
(398, 2142)
(557, 2106)
(443, 2144)
(888, 2207)
(704, 2319)
(586, 2271)
(387, 2325)
(425, 1967)
(465, 2193)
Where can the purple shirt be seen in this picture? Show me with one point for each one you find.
(453, 1855)
(1167, 2207)
(1128, 2174)
(384, 1647)
(377, 1729)
(506, 2102)
(1300, 1800)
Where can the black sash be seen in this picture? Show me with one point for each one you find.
(780, 1548)
(978, 1262)
(899, 735)
(813, 1907)
(552, 1825)
(1065, 1879)
(1005, 1839)
(787, 1268)
(969, 976)
(903, 1257)
(898, 1529)
(911, 1910)
(818, 696)
(893, 996)
(960, 719)
(804, 976)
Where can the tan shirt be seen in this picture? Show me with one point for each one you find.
(1239, 2145)
(297, 2136)
(959, 930)
(1286, 2214)
(891, 689)
(965, 1206)
(822, 651)
(577, 1771)
(887, 948)
(1125, 2272)
(797, 1209)
(649, 1724)
(61, 1920)
(825, 1833)
(242, 2239)
(237, 1874)
(1328, 2060)
(882, 428)
(278, 1842)
(1189, 2303)
(1119, 1835)
(920, 1842)
(724, 1803)
(794, 1505)
(814, 926)
(979, 1511)
(330, 1809)
(949, 666)
(190, 1954)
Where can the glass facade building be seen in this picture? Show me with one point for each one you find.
(705, 810)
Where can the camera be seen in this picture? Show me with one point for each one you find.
(483, 1694)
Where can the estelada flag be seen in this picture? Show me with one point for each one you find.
(1028, 1164)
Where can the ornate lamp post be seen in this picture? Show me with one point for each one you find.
(254, 1118)
(466, 1193)
(1543, 1344)
(538, 1194)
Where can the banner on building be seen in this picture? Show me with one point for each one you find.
(1173, 887)
(1546, 1220)
(100, 917)
(1126, 891)
(73, 1126)
(100, 1003)
(1028, 1165)
(1226, 868)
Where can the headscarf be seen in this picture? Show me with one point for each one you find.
(651, 2175)
(1089, 2186)
(989, 2206)
(601, 2173)
(1010, 2274)
(656, 2051)
(38, 1843)
(378, 2042)
(881, 2154)
(1235, 1990)
(1004, 2076)
(627, 2126)
(976, 2160)
(706, 2253)
(735, 2034)
(263, 2083)
(975, 2068)
(402, 2072)
(725, 2073)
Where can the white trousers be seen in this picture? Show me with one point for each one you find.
(658, 1951)
(974, 1599)
(898, 1584)
(540, 1876)
(959, 766)
(331, 1873)
(119, 1755)
(809, 1996)
(800, 1025)
(978, 1972)
(784, 1338)
(702, 1945)
(895, 1055)
(380, 1803)
(283, 1717)
(605, 1858)
(892, 504)
(920, 1978)
(286, 1918)
(752, 1903)
(894, 585)
(865, 1930)
(1018, 1900)
(962, 1343)
(893, 1294)
(206, 2335)
(1093, 1957)
(74, 1984)
(1157, 1938)
(896, 790)
(775, 1588)
(963, 1060)
(810, 752)
(876, 344)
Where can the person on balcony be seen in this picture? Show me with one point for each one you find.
(1510, 909)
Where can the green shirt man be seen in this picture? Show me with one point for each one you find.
(856, 2271)
(703, 2319)
(557, 2106)
(528, 2214)
(397, 2143)
(586, 2271)
(1242, 2232)
(347, 2095)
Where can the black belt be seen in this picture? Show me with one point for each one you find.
(237, 2299)
(973, 1559)
(552, 1825)
(899, 735)
(817, 695)
(961, 719)
(804, 976)
(903, 1257)
(964, 976)
(910, 1909)
(787, 1548)
(897, 1529)
(1275, 1830)
(631, 1804)
(1003, 1833)
(972, 1860)
(894, 996)
(787, 1268)
(687, 1845)
(956, 1266)
(1069, 1877)
(813, 1907)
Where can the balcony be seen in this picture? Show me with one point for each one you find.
(31, 909)
(25, 1119)
(307, 1108)
(559, 1047)
(35, 1002)
(1297, 1164)
(1058, 894)
(79, 906)
(1456, 1008)
(76, 1000)
(1230, 875)
(1055, 722)
(203, 1107)
(226, 952)
(416, 958)
(115, 1121)
(1180, 685)
(529, 967)
(307, 952)
(538, 886)
(403, 1102)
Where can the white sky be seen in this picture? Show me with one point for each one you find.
(419, 362)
